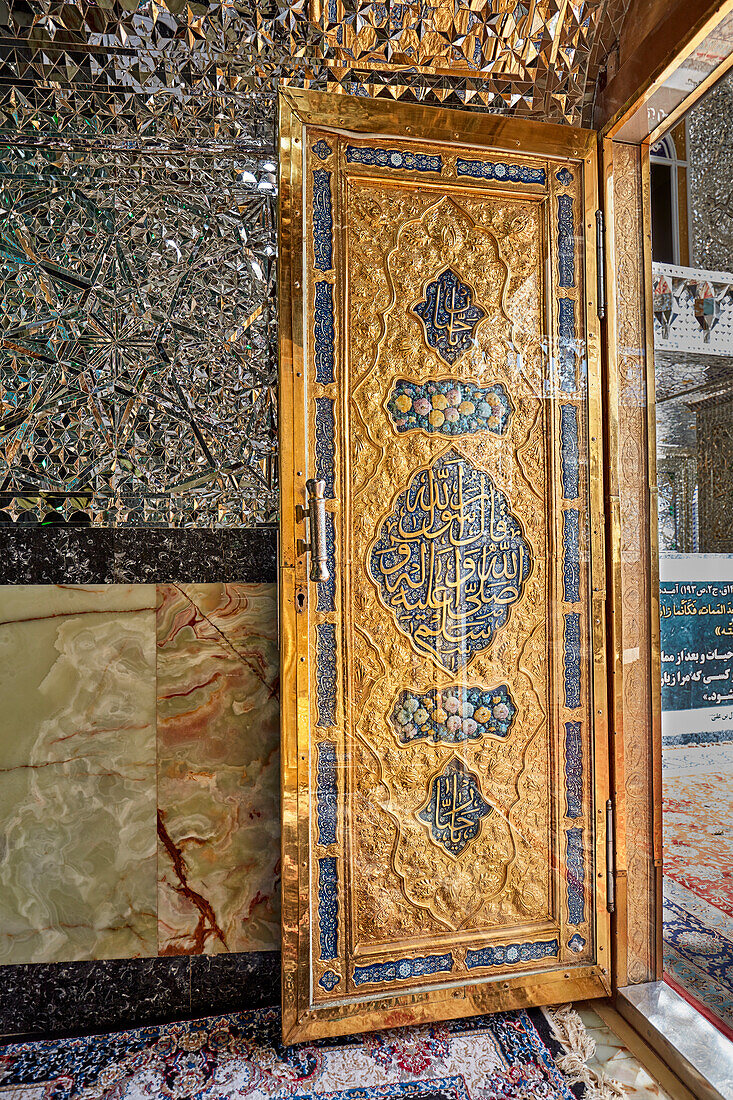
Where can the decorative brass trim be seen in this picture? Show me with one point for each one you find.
(655, 643)
(370, 116)
(633, 599)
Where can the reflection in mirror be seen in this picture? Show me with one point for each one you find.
(692, 268)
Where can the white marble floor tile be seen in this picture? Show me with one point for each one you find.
(617, 1062)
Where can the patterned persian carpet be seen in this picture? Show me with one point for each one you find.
(698, 876)
(500, 1057)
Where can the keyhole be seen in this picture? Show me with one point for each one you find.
(300, 598)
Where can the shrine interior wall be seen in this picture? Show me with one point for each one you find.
(138, 498)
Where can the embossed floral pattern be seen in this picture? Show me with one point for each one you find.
(449, 407)
(452, 714)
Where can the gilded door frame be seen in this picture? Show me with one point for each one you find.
(357, 115)
(633, 616)
(638, 105)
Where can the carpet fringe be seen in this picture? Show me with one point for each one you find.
(573, 1037)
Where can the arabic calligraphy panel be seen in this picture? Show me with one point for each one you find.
(450, 560)
(455, 807)
(449, 315)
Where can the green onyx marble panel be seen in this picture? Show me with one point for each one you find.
(77, 772)
(218, 768)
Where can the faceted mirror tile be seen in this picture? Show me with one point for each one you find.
(138, 364)
(137, 200)
(77, 773)
(218, 768)
(187, 73)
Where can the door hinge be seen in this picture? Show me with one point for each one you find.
(610, 859)
(601, 263)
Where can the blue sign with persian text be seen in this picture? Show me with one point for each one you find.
(697, 644)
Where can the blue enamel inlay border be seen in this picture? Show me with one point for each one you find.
(567, 357)
(328, 906)
(573, 769)
(323, 334)
(401, 969)
(392, 158)
(322, 149)
(326, 590)
(325, 444)
(322, 220)
(326, 674)
(571, 642)
(505, 173)
(512, 953)
(576, 942)
(453, 714)
(421, 406)
(329, 980)
(564, 176)
(571, 555)
(569, 451)
(565, 241)
(575, 873)
(326, 792)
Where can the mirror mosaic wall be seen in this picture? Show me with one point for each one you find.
(138, 220)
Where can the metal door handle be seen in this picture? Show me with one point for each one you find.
(317, 533)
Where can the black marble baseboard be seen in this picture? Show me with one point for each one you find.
(137, 555)
(63, 999)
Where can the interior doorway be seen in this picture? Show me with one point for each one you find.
(692, 260)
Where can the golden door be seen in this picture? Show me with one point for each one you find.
(444, 736)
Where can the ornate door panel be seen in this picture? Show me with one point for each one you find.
(444, 755)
